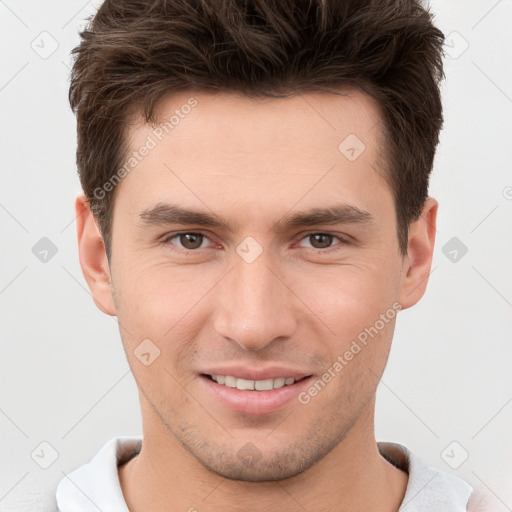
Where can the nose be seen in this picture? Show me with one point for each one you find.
(255, 305)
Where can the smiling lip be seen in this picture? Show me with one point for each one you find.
(252, 401)
(241, 372)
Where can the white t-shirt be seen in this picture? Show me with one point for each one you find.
(95, 486)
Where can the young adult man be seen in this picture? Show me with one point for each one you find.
(256, 214)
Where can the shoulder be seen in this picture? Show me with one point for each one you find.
(96, 483)
(428, 489)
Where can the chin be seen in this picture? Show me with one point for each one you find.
(249, 464)
(262, 471)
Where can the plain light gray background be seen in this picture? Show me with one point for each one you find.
(446, 393)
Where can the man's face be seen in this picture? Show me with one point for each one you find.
(257, 297)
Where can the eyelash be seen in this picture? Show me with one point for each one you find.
(166, 241)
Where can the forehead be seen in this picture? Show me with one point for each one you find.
(210, 146)
(273, 120)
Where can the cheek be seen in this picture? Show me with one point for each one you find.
(358, 355)
(356, 308)
(162, 304)
(349, 298)
(157, 296)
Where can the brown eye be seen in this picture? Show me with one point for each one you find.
(321, 240)
(191, 240)
(184, 241)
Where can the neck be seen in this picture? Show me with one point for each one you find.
(353, 476)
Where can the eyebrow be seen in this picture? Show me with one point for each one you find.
(164, 214)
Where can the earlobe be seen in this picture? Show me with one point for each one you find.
(417, 264)
(93, 258)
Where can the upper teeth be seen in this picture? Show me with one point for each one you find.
(259, 385)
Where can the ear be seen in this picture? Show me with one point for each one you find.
(93, 257)
(417, 263)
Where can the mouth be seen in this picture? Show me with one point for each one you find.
(254, 385)
(252, 397)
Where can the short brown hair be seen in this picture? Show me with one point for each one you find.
(135, 52)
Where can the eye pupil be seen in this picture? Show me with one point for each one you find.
(191, 240)
(323, 239)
